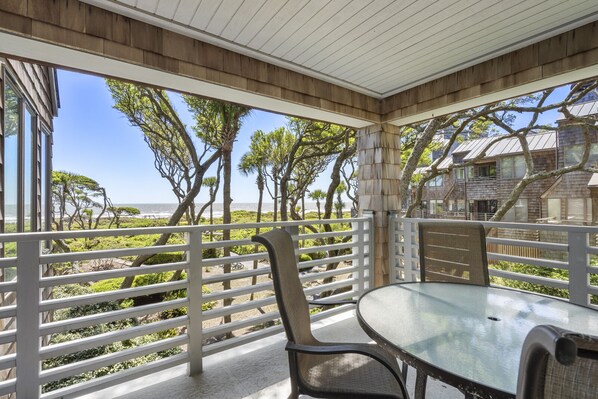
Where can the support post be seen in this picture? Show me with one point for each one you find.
(578, 268)
(28, 319)
(379, 159)
(195, 297)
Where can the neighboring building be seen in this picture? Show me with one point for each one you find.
(475, 192)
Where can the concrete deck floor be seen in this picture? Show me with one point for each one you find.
(256, 370)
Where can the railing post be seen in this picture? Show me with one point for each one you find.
(392, 247)
(371, 246)
(359, 249)
(195, 297)
(578, 268)
(28, 319)
(408, 255)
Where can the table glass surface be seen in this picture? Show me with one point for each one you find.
(469, 331)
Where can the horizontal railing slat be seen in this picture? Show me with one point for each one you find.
(108, 296)
(238, 324)
(8, 361)
(8, 311)
(551, 246)
(324, 261)
(112, 253)
(235, 275)
(120, 377)
(554, 264)
(10, 286)
(232, 259)
(8, 262)
(7, 387)
(81, 344)
(8, 336)
(108, 317)
(529, 278)
(83, 366)
(109, 274)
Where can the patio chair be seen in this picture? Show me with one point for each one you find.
(453, 252)
(557, 363)
(324, 369)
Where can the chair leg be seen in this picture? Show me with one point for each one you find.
(420, 385)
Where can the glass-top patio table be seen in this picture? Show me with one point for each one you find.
(467, 336)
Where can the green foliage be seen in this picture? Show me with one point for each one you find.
(162, 258)
(304, 258)
(557, 274)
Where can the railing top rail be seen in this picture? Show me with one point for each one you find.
(514, 225)
(51, 235)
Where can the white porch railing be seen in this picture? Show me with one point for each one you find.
(549, 246)
(189, 333)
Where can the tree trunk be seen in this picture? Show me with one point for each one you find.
(226, 219)
(257, 231)
(275, 202)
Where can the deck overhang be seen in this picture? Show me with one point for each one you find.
(109, 42)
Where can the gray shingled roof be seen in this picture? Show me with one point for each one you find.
(583, 109)
(536, 142)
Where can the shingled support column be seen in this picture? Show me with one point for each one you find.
(379, 170)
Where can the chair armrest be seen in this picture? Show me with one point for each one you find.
(332, 302)
(373, 351)
(541, 341)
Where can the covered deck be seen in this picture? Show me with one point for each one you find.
(371, 67)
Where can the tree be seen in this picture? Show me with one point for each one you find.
(120, 211)
(175, 155)
(212, 183)
(497, 121)
(318, 195)
(75, 197)
(255, 161)
(339, 204)
(218, 124)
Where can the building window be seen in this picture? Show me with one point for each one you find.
(574, 153)
(436, 207)
(456, 205)
(579, 209)
(44, 171)
(517, 213)
(436, 181)
(487, 170)
(12, 124)
(29, 136)
(21, 135)
(512, 167)
(554, 209)
(460, 173)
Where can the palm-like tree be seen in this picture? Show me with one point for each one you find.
(339, 204)
(211, 183)
(318, 195)
(218, 124)
(255, 161)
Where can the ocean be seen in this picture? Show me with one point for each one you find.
(165, 210)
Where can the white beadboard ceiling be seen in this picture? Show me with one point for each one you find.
(377, 47)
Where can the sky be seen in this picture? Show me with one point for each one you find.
(93, 139)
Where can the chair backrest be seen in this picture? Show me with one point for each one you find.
(453, 252)
(290, 298)
(557, 363)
